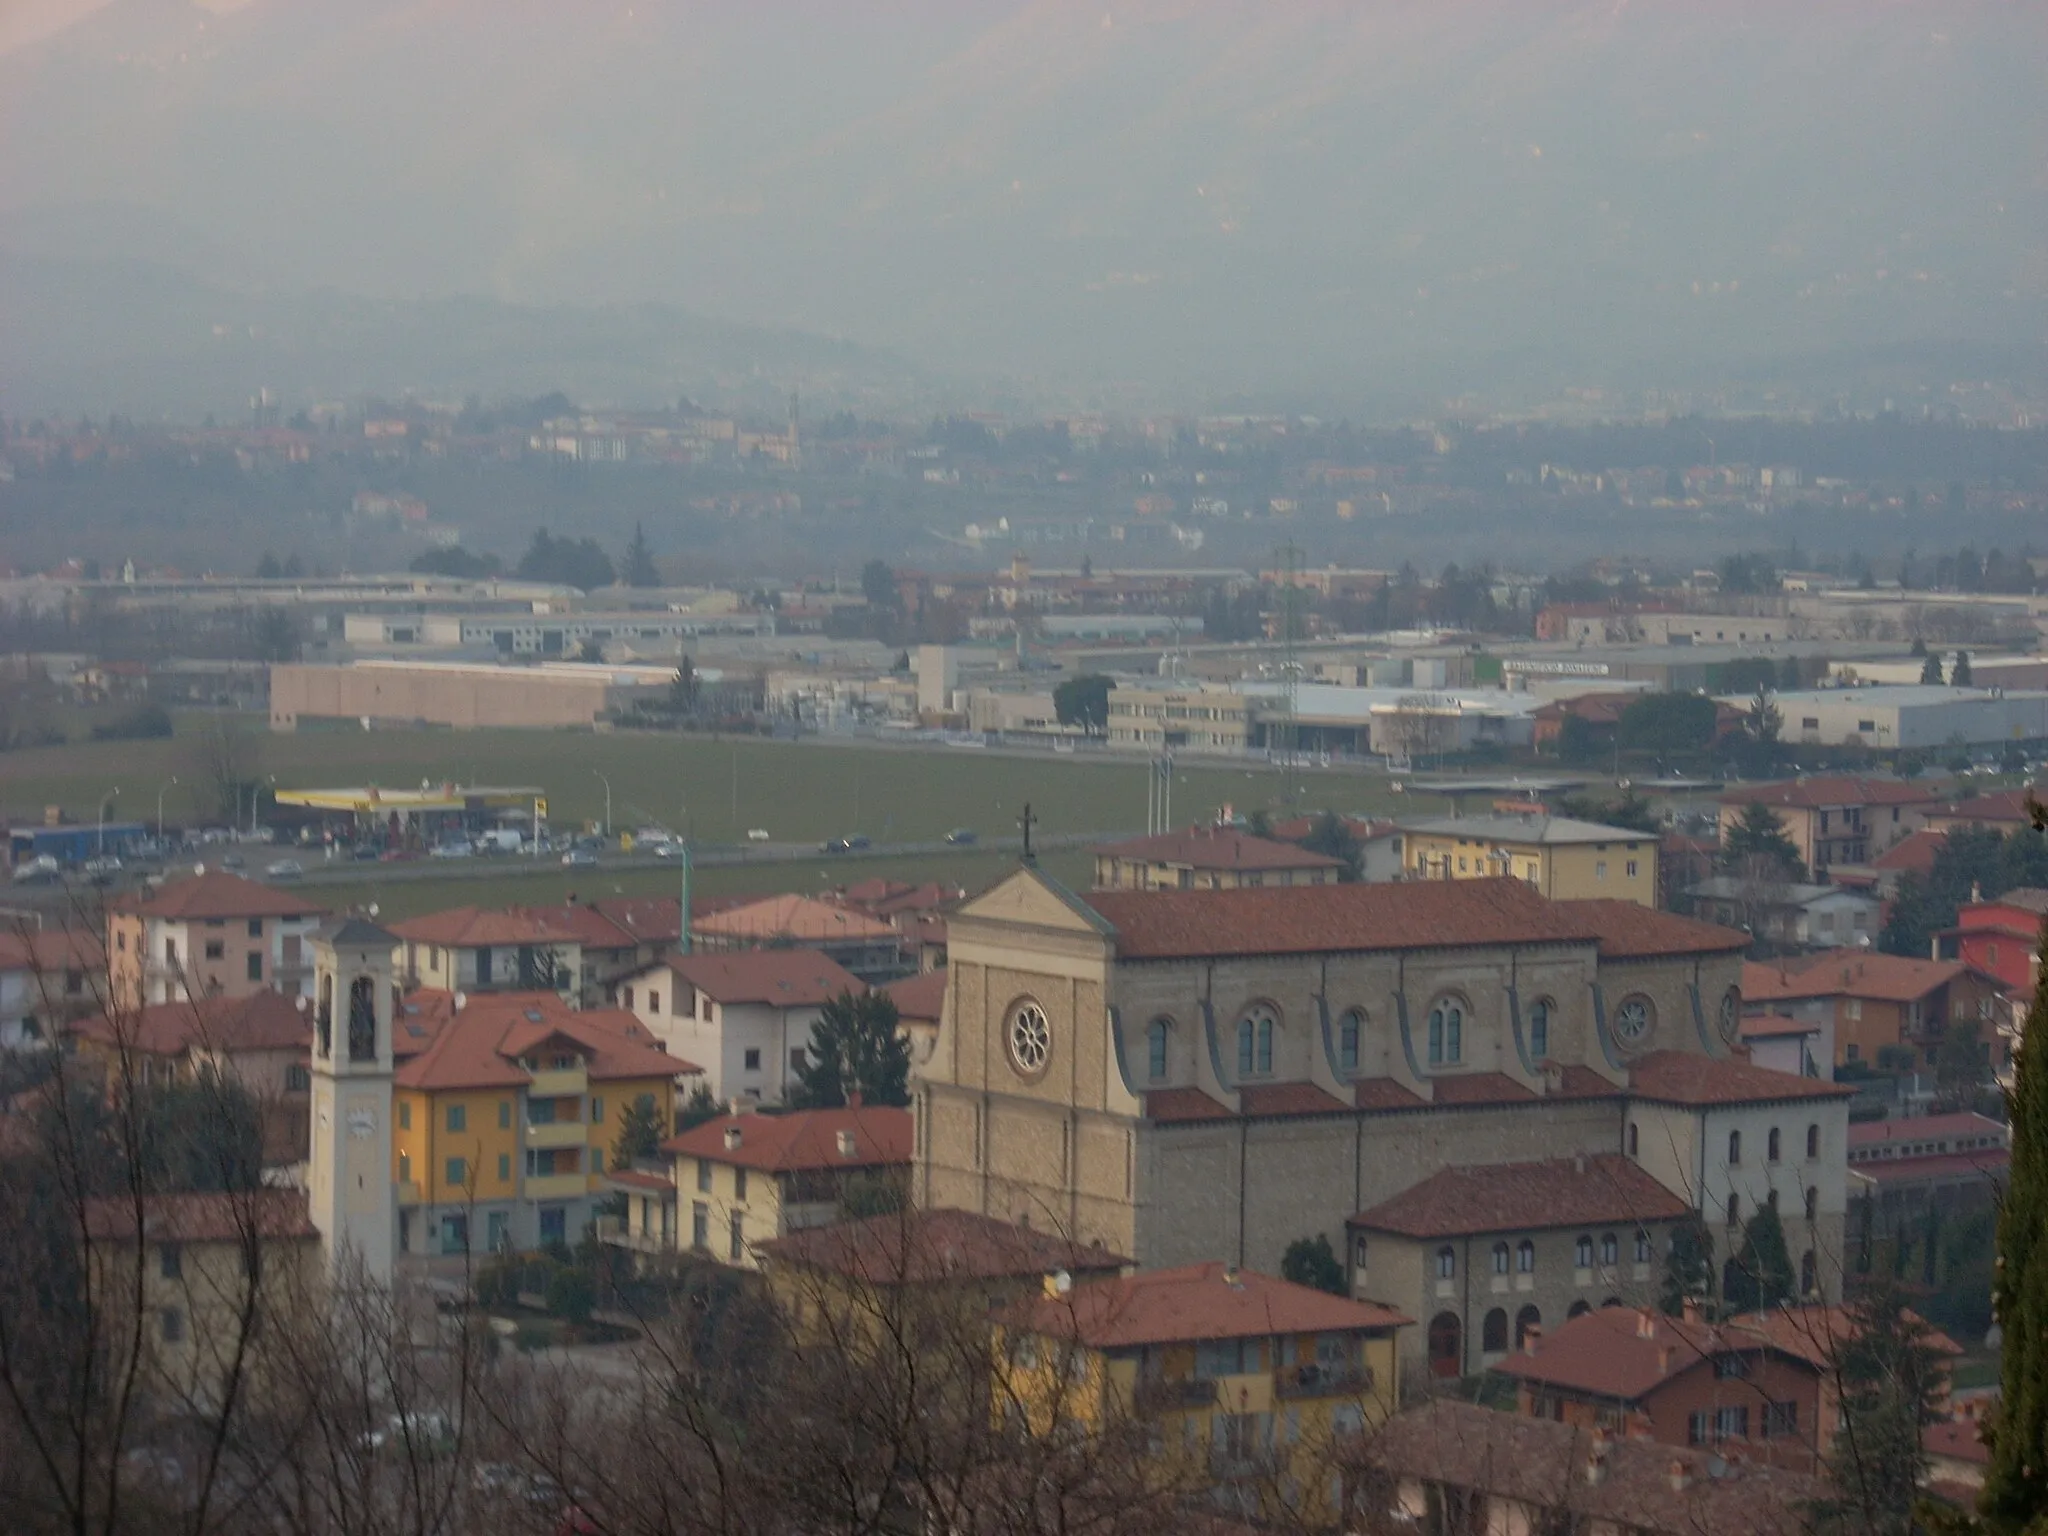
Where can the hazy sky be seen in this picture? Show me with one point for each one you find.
(1198, 195)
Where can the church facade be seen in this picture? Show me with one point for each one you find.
(1186, 1076)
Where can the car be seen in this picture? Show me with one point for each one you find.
(231, 861)
(102, 870)
(579, 858)
(284, 869)
(960, 837)
(41, 867)
(757, 834)
(857, 841)
(834, 845)
(454, 850)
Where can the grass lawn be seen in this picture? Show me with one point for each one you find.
(716, 790)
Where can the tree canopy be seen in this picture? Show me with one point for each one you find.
(1669, 722)
(1331, 836)
(1760, 1275)
(566, 562)
(637, 568)
(455, 561)
(1083, 701)
(1312, 1262)
(1759, 839)
(855, 1047)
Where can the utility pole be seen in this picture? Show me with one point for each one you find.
(1289, 557)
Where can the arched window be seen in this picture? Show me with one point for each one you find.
(1771, 1146)
(1157, 1033)
(1446, 1032)
(1642, 1245)
(1735, 1210)
(1447, 1263)
(1539, 1029)
(1634, 1138)
(1500, 1258)
(1772, 1201)
(1735, 1149)
(1349, 1030)
(1582, 1252)
(1525, 1257)
(1812, 1142)
(1493, 1332)
(1579, 1309)
(1255, 1041)
(1358, 1253)
(1446, 1346)
(1529, 1317)
(362, 1019)
(323, 1016)
(1809, 1273)
(1812, 1203)
(1731, 1277)
(1610, 1249)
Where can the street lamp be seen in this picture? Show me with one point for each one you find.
(607, 802)
(104, 801)
(160, 807)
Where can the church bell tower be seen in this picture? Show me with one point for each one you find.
(354, 1202)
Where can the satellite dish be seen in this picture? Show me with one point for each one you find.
(373, 909)
(198, 869)
(299, 1002)
(1062, 1282)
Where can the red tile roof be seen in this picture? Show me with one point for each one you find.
(1675, 1077)
(1431, 914)
(217, 893)
(275, 1214)
(1956, 1440)
(1629, 931)
(475, 927)
(792, 919)
(779, 978)
(649, 919)
(53, 951)
(1217, 848)
(921, 997)
(803, 1139)
(1196, 1302)
(913, 1247)
(1915, 851)
(1857, 973)
(1830, 791)
(1505, 1197)
(479, 1046)
(262, 1021)
(1878, 1133)
(1289, 1099)
(1999, 807)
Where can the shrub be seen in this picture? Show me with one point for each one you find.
(571, 1295)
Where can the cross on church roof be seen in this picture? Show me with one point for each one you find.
(1027, 821)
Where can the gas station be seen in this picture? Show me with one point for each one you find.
(421, 818)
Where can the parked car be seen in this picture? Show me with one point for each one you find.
(101, 871)
(40, 868)
(579, 858)
(757, 834)
(285, 869)
(454, 850)
(960, 837)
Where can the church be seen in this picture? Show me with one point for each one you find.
(1199, 1075)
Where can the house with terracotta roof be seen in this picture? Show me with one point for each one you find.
(1910, 1165)
(213, 934)
(920, 1005)
(868, 947)
(1876, 1002)
(1208, 859)
(1490, 1252)
(1560, 856)
(1510, 1472)
(1187, 1075)
(1760, 1385)
(1787, 916)
(737, 1183)
(744, 1015)
(573, 949)
(1238, 1367)
(264, 1041)
(506, 1110)
(2000, 937)
(2000, 810)
(48, 978)
(1836, 819)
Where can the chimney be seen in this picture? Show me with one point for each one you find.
(847, 1146)
(1680, 1474)
(732, 1138)
(1596, 1458)
(1690, 1309)
(1646, 1325)
(853, 1098)
(1532, 1338)
(1664, 1360)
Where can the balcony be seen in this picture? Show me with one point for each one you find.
(1154, 1394)
(557, 1134)
(408, 1191)
(555, 1186)
(560, 1083)
(1293, 1382)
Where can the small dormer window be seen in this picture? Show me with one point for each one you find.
(564, 1063)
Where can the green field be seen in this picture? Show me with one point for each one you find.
(715, 790)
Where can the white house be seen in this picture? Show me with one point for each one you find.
(744, 1015)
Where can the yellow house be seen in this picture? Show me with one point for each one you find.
(1250, 1379)
(505, 1114)
(200, 1265)
(1563, 858)
(741, 1181)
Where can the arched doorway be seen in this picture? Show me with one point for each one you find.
(1493, 1332)
(1446, 1345)
(1529, 1317)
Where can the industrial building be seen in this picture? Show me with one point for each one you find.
(1925, 716)
(471, 696)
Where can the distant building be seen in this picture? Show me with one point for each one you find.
(1559, 856)
(1927, 717)
(1835, 819)
(1208, 859)
(1875, 1001)
(213, 935)
(1788, 916)
(48, 978)
(2000, 937)
(868, 947)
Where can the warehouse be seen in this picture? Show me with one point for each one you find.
(1923, 716)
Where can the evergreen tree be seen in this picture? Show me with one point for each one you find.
(638, 564)
(2015, 1494)
(1688, 1266)
(1959, 674)
(1331, 836)
(1930, 669)
(855, 1047)
(699, 1108)
(1762, 1273)
(1760, 838)
(1888, 1378)
(642, 1129)
(1312, 1262)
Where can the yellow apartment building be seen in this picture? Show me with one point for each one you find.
(1252, 1380)
(1208, 859)
(505, 1113)
(1563, 858)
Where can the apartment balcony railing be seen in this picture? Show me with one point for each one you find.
(1154, 1394)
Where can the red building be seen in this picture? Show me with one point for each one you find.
(2001, 937)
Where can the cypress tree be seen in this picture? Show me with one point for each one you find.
(2015, 1494)
(1762, 1274)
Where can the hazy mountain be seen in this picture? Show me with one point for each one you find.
(1364, 197)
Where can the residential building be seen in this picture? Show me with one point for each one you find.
(1379, 842)
(1489, 1253)
(1805, 1047)
(1208, 859)
(1958, 1460)
(506, 1113)
(48, 978)
(1508, 1472)
(744, 1015)
(1559, 856)
(1835, 819)
(574, 949)
(868, 947)
(212, 935)
(177, 1274)
(1875, 1001)
(1761, 1385)
(2000, 810)
(1197, 1074)
(1910, 1166)
(920, 1007)
(1787, 916)
(2001, 938)
(1230, 1365)
(741, 1181)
